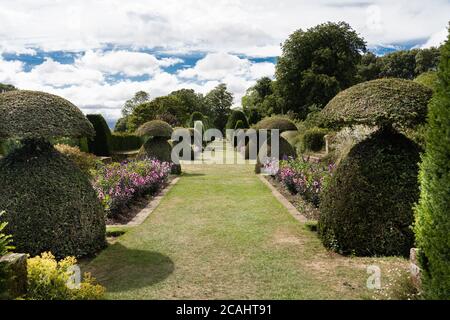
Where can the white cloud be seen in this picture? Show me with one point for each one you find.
(251, 27)
(436, 39)
(123, 62)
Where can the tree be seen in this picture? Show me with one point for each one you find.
(6, 87)
(432, 213)
(138, 98)
(369, 68)
(399, 64)
(427, 60)
(188, 101)
(121, 125)
(219, 102)
(316, 64)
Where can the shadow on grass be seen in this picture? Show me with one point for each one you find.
(120, 268)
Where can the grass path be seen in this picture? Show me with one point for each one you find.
(220, 234)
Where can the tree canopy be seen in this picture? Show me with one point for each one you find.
(316, 64)
(219, 102)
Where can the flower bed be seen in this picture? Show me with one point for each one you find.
(119, 184)
(302, 178)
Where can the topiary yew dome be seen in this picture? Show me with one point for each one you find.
(273, 123)
(35, 114)
(50, 203)
(381, 102)
(155, 128)
(367, 208)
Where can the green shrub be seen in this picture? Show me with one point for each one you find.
(5, 246)
(236, 116)
(276, 122)
(85, 161)
(429, 79)
(8, 145)
(100, 145)
(125, 142)
(196, 116)
(155, 128)
(50, 203)
(239, 125)
(29, 114)
(157, 147)
(432, 226)
(313, 139)
(285, 150)
(382, 102)
(367, 208)
(49, 279)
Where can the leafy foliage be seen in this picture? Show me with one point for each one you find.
(85, 161)
(5, 247)
(236, 116)
(429, 79)
(125, 142)
(316, 64)
(313, 139)
(6, 87)
(28, 114)
(285, 151)
(155, 128)
(219, 101)
(367, 208)
(48, 279)
(158, 148)
(101, 144)
(432, 213)
(382, 102)
(196, 116)
(51, 204)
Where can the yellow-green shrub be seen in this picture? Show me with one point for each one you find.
(85, 161)
(48, 280)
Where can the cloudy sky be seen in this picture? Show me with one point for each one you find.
(97, 53)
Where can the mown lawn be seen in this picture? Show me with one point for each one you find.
(220, 234)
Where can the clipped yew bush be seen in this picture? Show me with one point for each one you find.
(50, 203)
(314, 139)
(432, 226)
(367, 209)
(101, 144)
(236, 116)
(276, 122)
(157, 145)
(196, 116)
(285, 150)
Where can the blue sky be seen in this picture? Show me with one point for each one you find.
(98, 53)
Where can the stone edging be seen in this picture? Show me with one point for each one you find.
(285, 202)
(149, 208)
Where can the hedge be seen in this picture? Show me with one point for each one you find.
(100, 145)
(125, 142)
